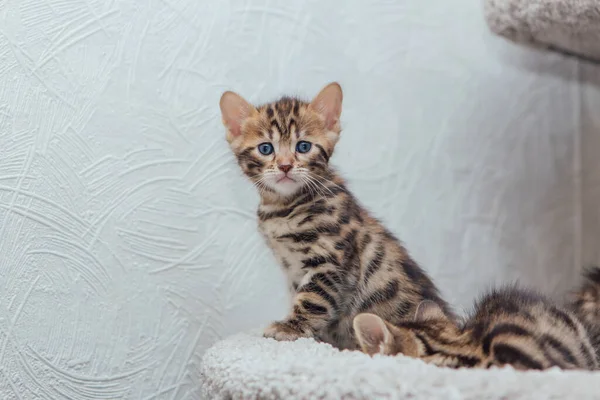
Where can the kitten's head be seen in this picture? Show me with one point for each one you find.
(430, 324)
(285, 145)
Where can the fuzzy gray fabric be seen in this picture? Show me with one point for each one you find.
(569, 26)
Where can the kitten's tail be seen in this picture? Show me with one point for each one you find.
(585, 302)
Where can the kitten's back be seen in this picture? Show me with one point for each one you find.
(525, 329)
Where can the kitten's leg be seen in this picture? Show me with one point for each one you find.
(315, 304)
(452, 361)
(440, 360)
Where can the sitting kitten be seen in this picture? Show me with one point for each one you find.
(339, 260)
(509, 326)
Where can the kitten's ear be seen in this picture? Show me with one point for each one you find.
(428, 309)
(372, 333)
(328, 104)
(234, 110)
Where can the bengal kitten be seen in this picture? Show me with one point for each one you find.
(339, 260)
(510, 326)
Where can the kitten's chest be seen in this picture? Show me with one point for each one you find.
(288, 255)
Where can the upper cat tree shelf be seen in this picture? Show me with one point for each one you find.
(567, 26)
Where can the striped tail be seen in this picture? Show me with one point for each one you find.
(586, 304)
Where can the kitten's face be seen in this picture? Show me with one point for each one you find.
(284, 146)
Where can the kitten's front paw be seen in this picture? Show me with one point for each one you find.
(282, 331)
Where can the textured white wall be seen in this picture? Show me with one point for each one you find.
(127, 234)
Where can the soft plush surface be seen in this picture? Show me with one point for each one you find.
(571, 26)
(246, 366)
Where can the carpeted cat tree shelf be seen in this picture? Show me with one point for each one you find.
(247, 366)
(568, 26)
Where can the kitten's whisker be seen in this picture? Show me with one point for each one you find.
(313, 184)
(306, 183)
(322, 184)
(315, 188)
(328, 180)
(260, 184)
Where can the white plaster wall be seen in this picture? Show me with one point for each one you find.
(127, 235)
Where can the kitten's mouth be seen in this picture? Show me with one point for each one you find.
(285, 178)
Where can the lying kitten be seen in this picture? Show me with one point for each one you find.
(339, 260)
(509, 326)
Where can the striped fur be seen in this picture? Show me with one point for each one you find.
(339, 260)
(509, 326)
(585, 303)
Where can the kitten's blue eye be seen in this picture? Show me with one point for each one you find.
(265, 148)
(303, 147)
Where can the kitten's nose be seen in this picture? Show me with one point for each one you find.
(285, 167)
